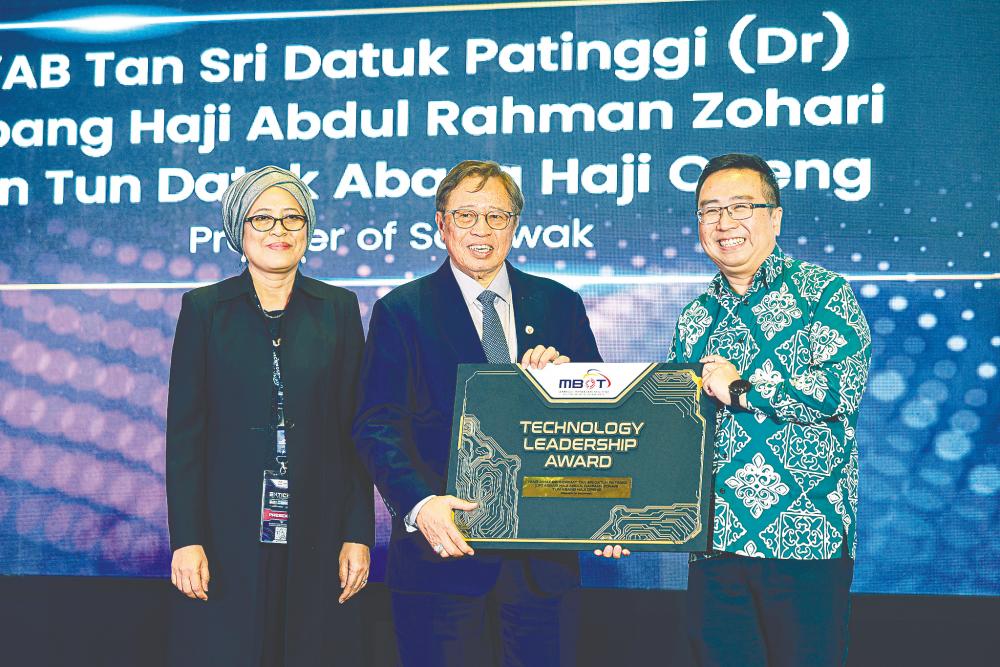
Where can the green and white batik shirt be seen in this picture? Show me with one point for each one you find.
(786, 470)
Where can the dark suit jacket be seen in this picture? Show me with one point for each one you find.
(219, 442)
(417, 336)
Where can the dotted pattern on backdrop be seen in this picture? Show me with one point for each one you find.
(84, 394)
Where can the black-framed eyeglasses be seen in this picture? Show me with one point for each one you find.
(464, 218)
(711, 215)
(265, 223)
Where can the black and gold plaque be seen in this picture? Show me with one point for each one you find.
(579, 455)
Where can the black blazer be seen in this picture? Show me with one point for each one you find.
(219, 442)
(417, 336)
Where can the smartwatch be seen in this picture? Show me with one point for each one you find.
(736, 389)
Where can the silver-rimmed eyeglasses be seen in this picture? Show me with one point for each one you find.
(464, 218)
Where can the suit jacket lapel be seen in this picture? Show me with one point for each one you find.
(300, 333)
(450, 316)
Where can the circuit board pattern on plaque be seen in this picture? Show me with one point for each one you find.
(670, 523)
(672, 388)
(487, 475)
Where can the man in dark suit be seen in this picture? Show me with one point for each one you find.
(452, 606)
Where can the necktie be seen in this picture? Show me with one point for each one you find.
(494, 341)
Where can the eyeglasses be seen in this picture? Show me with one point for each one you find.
(711, 215)
(265, 223)
(465, 218)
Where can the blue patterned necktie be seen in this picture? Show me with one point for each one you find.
(494, 341)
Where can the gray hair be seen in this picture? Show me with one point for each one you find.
(483, 170)
(243, 192)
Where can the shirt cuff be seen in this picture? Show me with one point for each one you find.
(410, 520)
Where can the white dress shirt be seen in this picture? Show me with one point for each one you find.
(500, 285)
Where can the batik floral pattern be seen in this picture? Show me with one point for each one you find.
(825, 342)
(758, 485)
(727, 528)
(786, 472)
(812, 280)
(692, 325)
(776, 311)
(730, 438)
(766, 379)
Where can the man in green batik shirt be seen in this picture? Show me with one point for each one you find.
(786, 350)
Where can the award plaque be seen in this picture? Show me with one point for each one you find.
(578, 455)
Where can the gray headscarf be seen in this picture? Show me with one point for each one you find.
(243, 192)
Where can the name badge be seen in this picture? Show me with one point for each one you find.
(274, 509)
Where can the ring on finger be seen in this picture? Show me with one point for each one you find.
(438, 548)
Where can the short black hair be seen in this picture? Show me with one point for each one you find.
(742, 161)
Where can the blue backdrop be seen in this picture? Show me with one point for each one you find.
(118, 134)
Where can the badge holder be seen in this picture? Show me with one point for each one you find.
(274, 509)
(275, 494)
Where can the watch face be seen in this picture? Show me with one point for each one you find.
(739, 386)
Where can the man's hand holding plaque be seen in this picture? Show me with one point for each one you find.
(436, 523)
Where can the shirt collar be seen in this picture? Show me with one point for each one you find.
(767, 273)
(472, 289)
(243, 285)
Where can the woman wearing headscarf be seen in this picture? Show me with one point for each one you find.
(270, 512)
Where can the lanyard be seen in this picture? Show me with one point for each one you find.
(274, 326)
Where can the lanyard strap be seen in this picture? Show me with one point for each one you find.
(274, 326)
(281, 452)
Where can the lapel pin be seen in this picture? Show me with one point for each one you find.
(529, 329)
